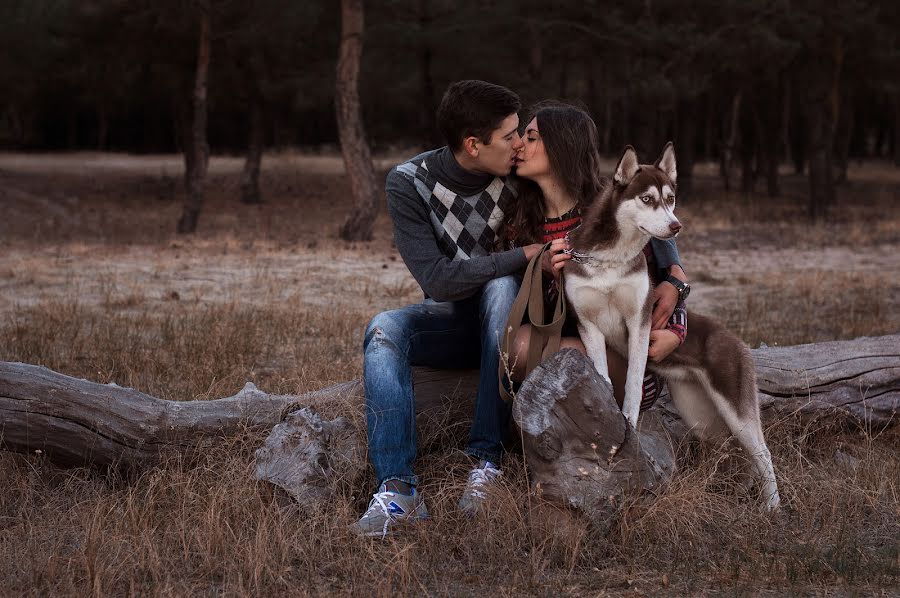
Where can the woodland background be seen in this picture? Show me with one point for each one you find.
(267, 128)
(749, 84)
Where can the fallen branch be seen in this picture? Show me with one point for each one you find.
(77, 422)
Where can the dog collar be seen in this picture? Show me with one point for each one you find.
(579, 257)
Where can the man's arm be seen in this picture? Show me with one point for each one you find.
(666, 295)
(666, 253)
(441, 278)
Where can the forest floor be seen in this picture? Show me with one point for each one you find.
(95, 283)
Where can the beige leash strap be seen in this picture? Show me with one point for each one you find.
(543, 338)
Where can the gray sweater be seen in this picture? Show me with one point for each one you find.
(445, 222)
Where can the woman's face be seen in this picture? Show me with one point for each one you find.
(532, 162)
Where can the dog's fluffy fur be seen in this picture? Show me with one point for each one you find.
(711, 377)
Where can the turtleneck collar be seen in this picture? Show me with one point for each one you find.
(446, 169)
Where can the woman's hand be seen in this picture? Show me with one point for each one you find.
(554, 259)
(662, 343)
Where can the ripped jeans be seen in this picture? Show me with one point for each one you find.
(453, 334)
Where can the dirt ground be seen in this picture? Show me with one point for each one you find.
(65, 235)
(95, 283)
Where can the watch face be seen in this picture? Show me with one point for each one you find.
(685, 291)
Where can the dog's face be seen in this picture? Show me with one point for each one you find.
(647, 193)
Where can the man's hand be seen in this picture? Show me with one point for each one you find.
(665, 296)
(662, 343)
(554, 259)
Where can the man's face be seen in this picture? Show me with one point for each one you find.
(499, 156)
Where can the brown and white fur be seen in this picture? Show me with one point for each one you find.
(711, 377)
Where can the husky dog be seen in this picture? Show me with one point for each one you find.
(711, 377)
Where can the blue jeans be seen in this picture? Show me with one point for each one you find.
(455, 334)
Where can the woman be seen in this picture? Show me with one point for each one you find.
(559, 172)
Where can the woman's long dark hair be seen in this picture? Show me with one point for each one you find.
(571, 141)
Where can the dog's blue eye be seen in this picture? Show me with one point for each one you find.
(646, 199)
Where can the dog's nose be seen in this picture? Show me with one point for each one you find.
(675, 227)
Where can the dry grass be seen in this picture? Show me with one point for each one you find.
(813, 307)
(204, 527)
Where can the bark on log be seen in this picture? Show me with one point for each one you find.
(842, 382)
(305, 455)
(581, 452)
(77, 422)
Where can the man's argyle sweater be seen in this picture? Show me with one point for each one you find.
(445, 224)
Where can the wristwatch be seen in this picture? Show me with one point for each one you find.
(684, 289)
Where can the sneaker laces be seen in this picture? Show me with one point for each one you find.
(480, 477)
(378, 502)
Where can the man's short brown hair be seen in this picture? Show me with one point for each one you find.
(473, 108)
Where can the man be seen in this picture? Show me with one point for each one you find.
(446, 206)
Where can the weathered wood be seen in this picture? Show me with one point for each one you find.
(843, 382)
(77, 422)
(305, 455)
(581, 452)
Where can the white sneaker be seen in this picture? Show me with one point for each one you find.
(387, 509)
(480, 479)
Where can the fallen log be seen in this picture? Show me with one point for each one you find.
(77, 422)
(856, 382)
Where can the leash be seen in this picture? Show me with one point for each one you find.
(543, 338)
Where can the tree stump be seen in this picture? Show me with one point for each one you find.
(580, 450)
(305, 455)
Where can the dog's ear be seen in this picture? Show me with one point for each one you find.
(666, 162)
(627, 167)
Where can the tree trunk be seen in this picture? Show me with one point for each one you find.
(581, 452)
(823, 110)
(784, 132)
(428, 98)
(77, 422)
(842, 138)
(768, 120)
(685, 143)
(354, 147)
(250, 176)
(199, 160)
(748, 148)
(897, 130)
(731, 130)
(821, 182)
(102, 127)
